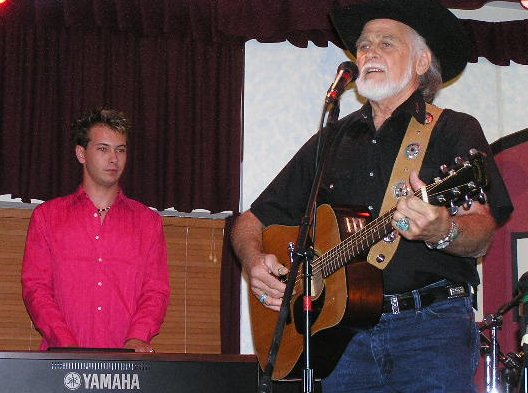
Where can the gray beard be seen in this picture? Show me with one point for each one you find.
(376, 91)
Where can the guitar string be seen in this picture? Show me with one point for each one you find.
(337, 251)
(344, 252)
(346, 247)
(355, 244)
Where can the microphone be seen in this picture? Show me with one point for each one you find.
(346, 73)
(522, 289)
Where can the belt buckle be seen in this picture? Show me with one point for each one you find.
(395, 305)
(456, 291)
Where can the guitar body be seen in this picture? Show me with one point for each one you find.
(347, 300)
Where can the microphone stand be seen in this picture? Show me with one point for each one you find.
(302, 252)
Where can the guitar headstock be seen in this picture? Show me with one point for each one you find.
(461, 184)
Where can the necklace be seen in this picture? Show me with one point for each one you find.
(103, 210)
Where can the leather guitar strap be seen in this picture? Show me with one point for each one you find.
(409, 158)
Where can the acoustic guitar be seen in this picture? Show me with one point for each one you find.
(347, 290)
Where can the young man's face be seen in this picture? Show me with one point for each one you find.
(104, 158)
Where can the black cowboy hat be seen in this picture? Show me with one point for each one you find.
(441, 29)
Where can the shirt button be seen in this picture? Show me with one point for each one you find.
(100, 283)
(99, 259)
(371, 207)
(371, 174)
(374, 141)
(99, 308)
(97, 237)
(95, 215)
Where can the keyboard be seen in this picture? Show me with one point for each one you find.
(82, 372)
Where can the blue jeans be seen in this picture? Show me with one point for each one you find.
(432, 350)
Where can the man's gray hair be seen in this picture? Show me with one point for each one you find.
(431, 81)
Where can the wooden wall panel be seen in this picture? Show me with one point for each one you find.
(192, 324)
(16, 328)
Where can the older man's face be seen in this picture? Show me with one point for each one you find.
(386, 60)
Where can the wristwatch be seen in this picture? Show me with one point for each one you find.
(443, 243)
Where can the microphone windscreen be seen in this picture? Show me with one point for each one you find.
(350, 68)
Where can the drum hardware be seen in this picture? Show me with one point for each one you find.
(503, 380)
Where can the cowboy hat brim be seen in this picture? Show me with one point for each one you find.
(441, 29)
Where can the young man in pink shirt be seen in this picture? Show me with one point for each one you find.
(95, 271)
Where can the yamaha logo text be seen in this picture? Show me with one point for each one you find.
(75, 381)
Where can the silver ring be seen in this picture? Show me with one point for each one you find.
(263, 298)
(403, 224)
(279, 271)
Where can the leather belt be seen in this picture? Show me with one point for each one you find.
(394, 304)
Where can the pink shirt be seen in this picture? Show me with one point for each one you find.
(94, 285)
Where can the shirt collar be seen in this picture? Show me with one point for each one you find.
(414, 106)
(81, 196)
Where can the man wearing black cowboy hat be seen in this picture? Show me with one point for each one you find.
(426, 339)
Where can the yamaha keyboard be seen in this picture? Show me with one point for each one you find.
(83, 372)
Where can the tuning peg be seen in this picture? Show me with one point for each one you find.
(444, 169)
(441, 199)
(467, 203)
(453, 209)
(482, 197)
(473, 152)
(459, 160)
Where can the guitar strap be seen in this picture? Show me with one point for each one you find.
(409, 158)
